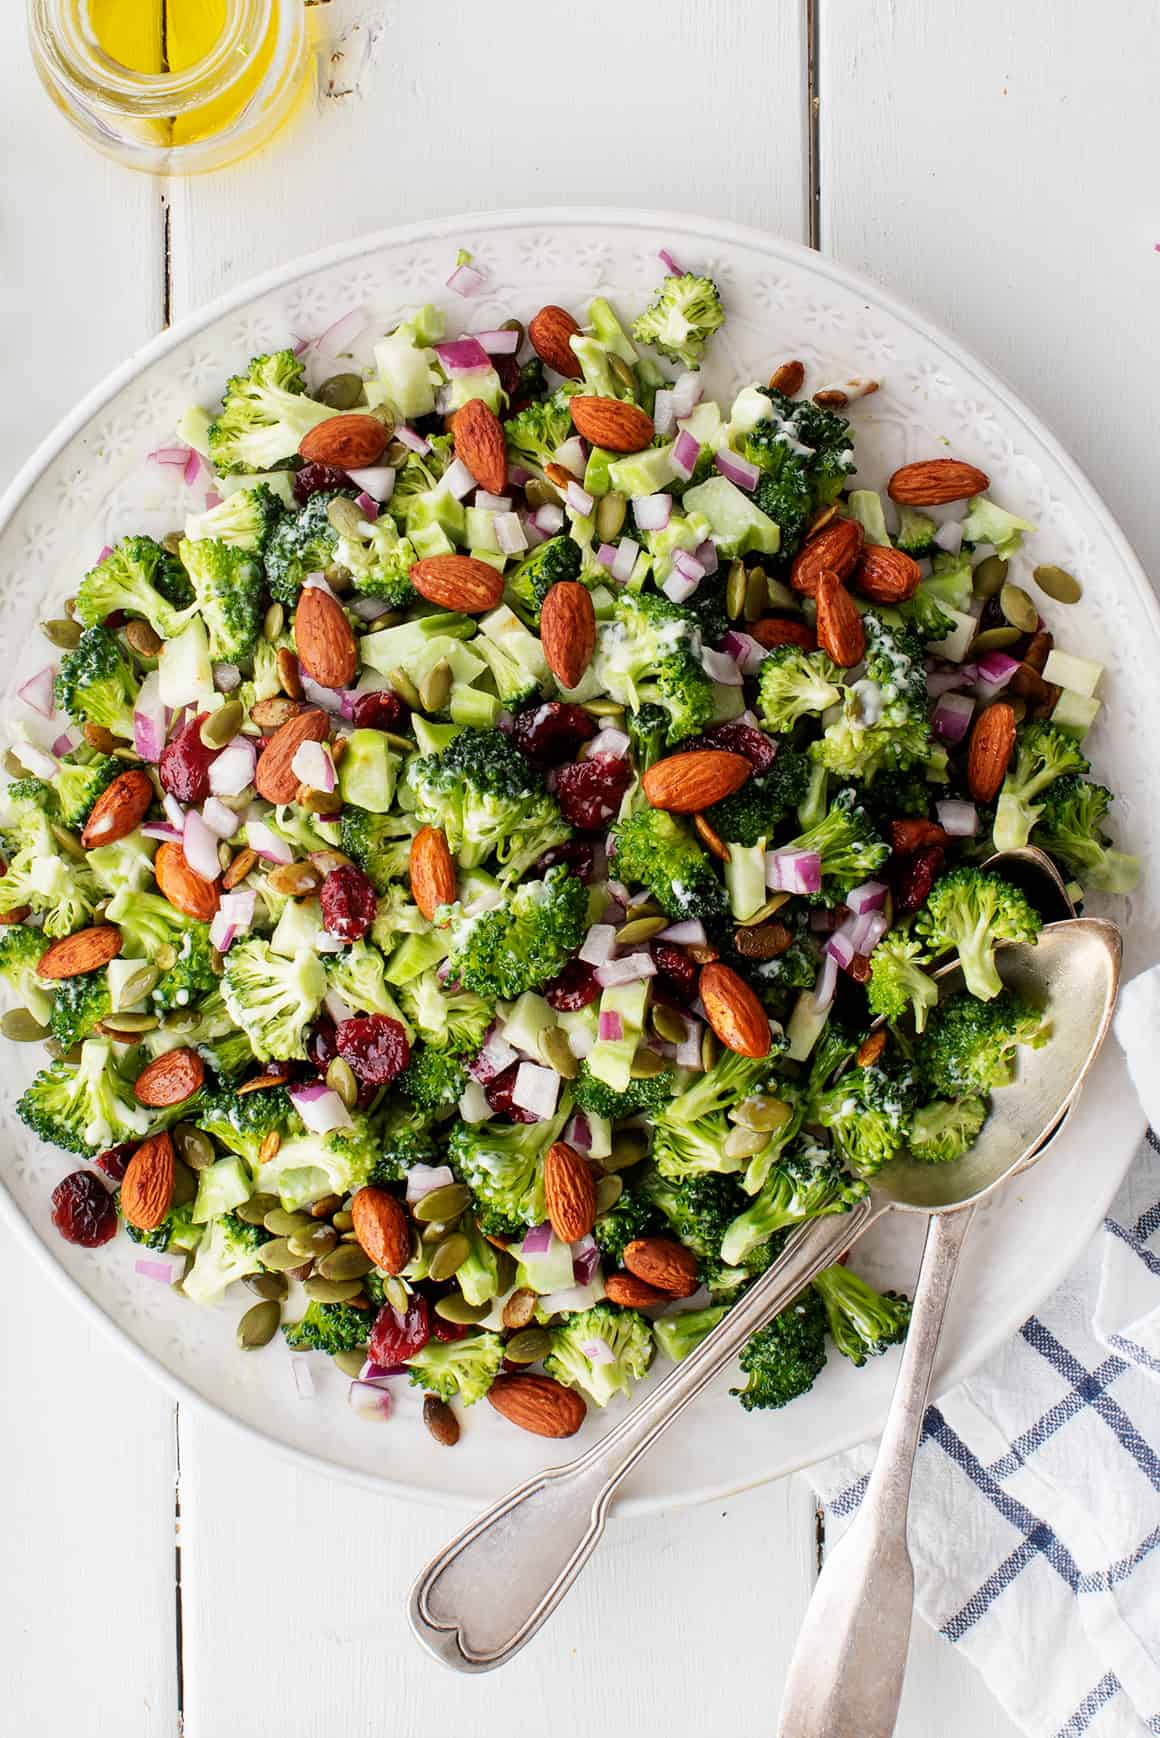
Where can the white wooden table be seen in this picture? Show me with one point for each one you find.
(989, 161)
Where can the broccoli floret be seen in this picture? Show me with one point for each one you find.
(329, 1327)
(242, 1121)
(302, 543)
(867, 1110)
(806, 1184)
(764, 800)
(419, 474)
(916, 533)
(681, 1334)
(273, 999)
(433, 1079)
(795, 684)
(380, 561)
(783, 490)
(689, 1133)
(308, 1166)
(39, 876)
(534, 433)
(640, 1097)
(897, 793)
(466, 1367)
(379, 844)
(78, 784)
(265, 413)
(1071, 828)
(581, 1346)
(971, 911)
(528, 584)
(21, 949)
(653, 849)
(630, 1216)
(698, 1209)
(782, 1359)
(518, 946)
(83, 1106)
(648, 731)
(227, 582)
(945, 1129)
(969, 1046)
(96, 683)
(502, 1165)
(820, 439)
(455, 1020)
(485, 797)
(358, 975)
(796, 968)
(152, 929)
(884, 716)
(405, 1137)
(80, 1004)
(176, 1231)
(863, 1322)
(142, 579)
(849, 847)
(229, 1056)
(985, 522)
(227, 1252)
(515, 684)
(650, 651)
(898, 984)
(683, 314)
(245, 519)
(1043, 753)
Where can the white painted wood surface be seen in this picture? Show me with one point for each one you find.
(989, 162)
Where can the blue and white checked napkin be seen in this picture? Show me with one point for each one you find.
(1035, 1524)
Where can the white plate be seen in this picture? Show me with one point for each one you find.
(88, 484)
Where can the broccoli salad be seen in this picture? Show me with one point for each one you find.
(478, 881)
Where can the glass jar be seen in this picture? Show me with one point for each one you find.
(171, 86)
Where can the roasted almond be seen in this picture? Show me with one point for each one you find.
(834, 549)
(664, 1263)
(458, 582)
(788, 378)
(569, 1193)
(382, 1228)
(325, 640)
(538, 1404)
(120, 807)
(773, 631)
(239, 869)
(568, 631)
(269, 714)
(170, 1078)
(992, 741)
(185, 890)
(350, 442)
(84, 951)
(612, 423)
(885, 575)
(632, 1293)
(432, 871)
(870, 1049)
(275, 777)
(712, 840)
(480, 444)
(933, 482)
(734, 1012)
(548, 334)
(840, 632)
(147, 1186)
(684, 783)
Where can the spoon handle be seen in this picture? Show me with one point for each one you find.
(482, 1598)
(848, 1667)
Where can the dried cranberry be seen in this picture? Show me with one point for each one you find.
(578, 854)
(114, 1160)
(575, 987)
(913, 877)
(83, 1210)
(498, 1093)
(738, 738)
(395, 1337)
(508, 370)
(379, 709)
(447, 1331)
(348, 902)
(589, 791)
(185, 763)
(676, 970)
(375, 1046)
(321, 1049)
(552, 733)
(314, 479)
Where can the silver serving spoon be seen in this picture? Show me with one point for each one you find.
(482, 1598)
(849, 1664)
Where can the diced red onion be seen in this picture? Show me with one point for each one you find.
(495, 1055)
(473, 1106)
(233, 917)
(952, 716)
(825, 983)
(598, 1352)
(369, 609)
(318, 582)
(340, 335)
(840, 947)
(303, 1378)
(368, 507)
(200, 847)
(677, 587)
(226, 677)
(163, 830)
(870, 896)
(222, 822)
(689, 932)
(368, 1400)
(176, 458)
(598, 944)
(267, 844)
(609, 1026)
(669, 263)
(500, 343)
(105, 551)
(537, 1240)
(664, 415)
(939, 682)
(510, 533)
(465, 280)
(868, 931)
(747, 652)
(688, 390)
(550, 519)
(688, 1052)
(536, 1089)
(629, 969)
(585, 1259)
(380, 1372)
(517, 476)
(462, 356)
(416, 442)
(626, 553)
(572, 456)
(720, 667)
(616, 889)
(193, 467)
(533, 534)
(579, 500)
(996, 670)
(610, 741)
(320, 1108)
(493, 503)
(960, 820)
(686, 450)
(233, 769)
(652, 512)
(377, 481)
(425, 1179)
(37, 691)
(706, 554)
(458, 480)
(688, 564)
(794, 871)
(578, 1133)
(174, 813)
(338, 1009)
(331, 700)
(212, 499)
(63, 744)
(164, 1269)
(313, 767)
(737, 469)
(950, 537)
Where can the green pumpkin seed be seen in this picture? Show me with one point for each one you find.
(610, 515)
(989, 577)
(396, 1294)
(259, 1325)
(558, 1053)
(184, 1184)
(762, 1114)
(505, 1268)
(435, 688)
(127, 754)
(1018, 708)
(194, 1146)
(646, 908)
(667, 1024)
(401, 744)
(70, 608)
(278, 1256)
(69, 842)
(403, 686)
(14, 767)
(455, 1308)
(994, 640)
(742, 1143)
(341, 391)
(538, 492)
(449, 1256)
(348, 1261)
(604, 708)
(63, 632)
(1019, 609)
(397, 454)
(708, 1049)
(130, 1024)
(223, 725)
(273, 621)
(340, 1078)
(780, 596)
(646, 1064)
(316, 1242)
(285, 1224)
(736, 588)
(608, 1193)
(253, 1211)
(445, 1203)
(180, 1019)
(142, 638)
(19, 1025)
(319, 802)
(1058, 583)
(343, 1220)
(274, 1286)
(344, 516)
(756, 595)
(59, 1054)
(624, 374)
(164, 956)
(628, 1148)
(350, 1363)
(528, 1345)
(320, 1290)
(519, 1308)
(640, 929)
(172, 542)
(140, 984)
